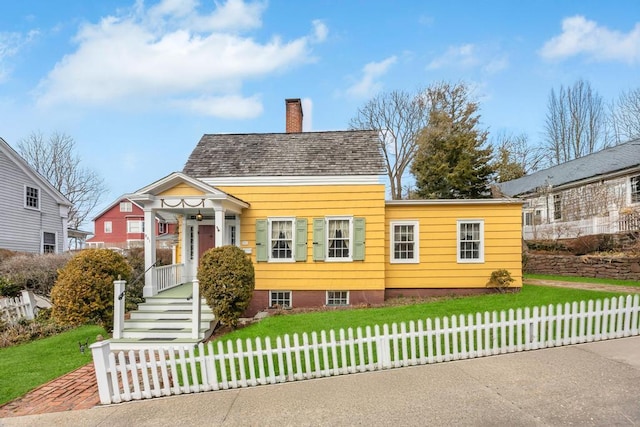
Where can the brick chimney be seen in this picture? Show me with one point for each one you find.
(294, 115)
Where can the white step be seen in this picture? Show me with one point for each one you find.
(169, 314)
(163, 323)
(160, 333)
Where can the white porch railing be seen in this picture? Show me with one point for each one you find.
(584, 227)
(14, 309)
(165, 371)
(168, 276)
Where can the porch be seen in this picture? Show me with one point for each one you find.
(609, 224)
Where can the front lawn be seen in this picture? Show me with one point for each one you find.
(530, 296)
(26, 366)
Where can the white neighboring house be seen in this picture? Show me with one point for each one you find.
(33, 214)
(594, 194)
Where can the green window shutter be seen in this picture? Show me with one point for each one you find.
(301, 239)
(262, 242)
(358, 239)
(318, 239)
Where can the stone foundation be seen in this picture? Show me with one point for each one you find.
(626, 268)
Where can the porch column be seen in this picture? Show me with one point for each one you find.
(150, 286)
(185, 248)
(219, 222)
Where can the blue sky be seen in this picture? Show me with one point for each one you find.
(136, 84)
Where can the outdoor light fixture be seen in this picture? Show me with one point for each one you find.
(199, 216)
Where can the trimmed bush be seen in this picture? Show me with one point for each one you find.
(36, 273)
(500, 280)
(227, 281)
(83, 292)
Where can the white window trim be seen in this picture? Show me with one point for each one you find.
(629, 190)
(130, 221)
(290, 297)
(327, 258)
(326, 300)
(108, 230)
(416, 242)
(292, 220)
(478, 260)
(129, 205)
(55, 244)
(24, 198)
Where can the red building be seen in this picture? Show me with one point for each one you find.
(121, 226)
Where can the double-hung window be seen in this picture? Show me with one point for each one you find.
(281, 239)
(635, 189)
(48, 243)
(135, 226)
(404, 242)
(339, 232)
(108, 227)
(32, 197)
(557, 206)
(470, 238)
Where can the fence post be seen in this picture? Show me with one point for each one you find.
(195, 308)
(100, 351)
(118, 308)
(29, 301)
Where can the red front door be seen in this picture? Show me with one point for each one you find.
(206, 239)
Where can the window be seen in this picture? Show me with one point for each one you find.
(126, 207)
(339, 238)
(163, 227)
(49, 243)
(281, 242)
(470, 241)
(135, 226)
(635, 189)
(280, 299)
(527, 218)
(32, 198)
(557, 206)
(337, 297)
(404, 242)
(108, 227)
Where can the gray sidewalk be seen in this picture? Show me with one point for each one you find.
(586, 384)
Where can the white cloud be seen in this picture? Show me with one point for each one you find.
(369, 83)
(581, 36)
(172, 54)
(467, 56)
(10, 45)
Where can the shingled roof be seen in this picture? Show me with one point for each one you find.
(608, 161)
(354, 152)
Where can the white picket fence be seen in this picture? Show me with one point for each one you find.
(170, 371)
(14, 309)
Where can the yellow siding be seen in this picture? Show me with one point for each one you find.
(316, 202)
(181, 190)
(438, 266)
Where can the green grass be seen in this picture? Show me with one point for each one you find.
(598, 280)
(530, 296)
(27, 366)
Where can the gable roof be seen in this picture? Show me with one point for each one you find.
(33, 174)
(353, 152)
(593, 166)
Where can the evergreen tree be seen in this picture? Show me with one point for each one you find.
(452, 161)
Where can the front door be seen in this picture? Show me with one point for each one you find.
(206, 239)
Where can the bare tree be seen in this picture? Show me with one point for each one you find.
(55, 158)
(624, 117)
(399, 116)
(515, 157)
(575, 123)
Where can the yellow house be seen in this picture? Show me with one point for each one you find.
(309, 209)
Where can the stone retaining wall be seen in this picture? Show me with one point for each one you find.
(585, 266)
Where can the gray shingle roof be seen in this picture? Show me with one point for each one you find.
(286, 154)
(607, 161)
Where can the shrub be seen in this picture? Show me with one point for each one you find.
(6, 254)
(584, 245)
(226, 281)
(27, 330)
(500, 280)
(36, 273)
(84, 290)
(8, 289)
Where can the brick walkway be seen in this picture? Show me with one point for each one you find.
(76, 390)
